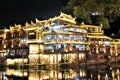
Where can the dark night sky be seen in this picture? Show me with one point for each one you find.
(20, 11)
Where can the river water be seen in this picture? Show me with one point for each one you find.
(88, 72)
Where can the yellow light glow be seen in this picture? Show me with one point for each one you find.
(59, 75)
(98, 76)
(13, 61)
(59, 57)
(51, 58)
(45, 56)
(41, 47)
(51, 74)
(113, 74)
(106, 77)
(34, 48)
(16, 72)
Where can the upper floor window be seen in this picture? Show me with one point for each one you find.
(66, 37)
(81, 38)
(57, 46)
(76, 38)
(107, 43)
(72, 29)
(60, 37)
(82, 47)
(48, 38)
(65, 29)
(85, 38)
(70, 37)
(56, 27)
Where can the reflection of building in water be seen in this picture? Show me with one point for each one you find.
(56, 40)
(83, 73)
(56, 74)
(45, 74)
(103, 73)
(13, 74)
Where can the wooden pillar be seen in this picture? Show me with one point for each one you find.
(97, 49)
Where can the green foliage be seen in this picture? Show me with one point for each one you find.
(104, 21)
(82, 9)
(88, 20)
(80, 14)
(112, 8)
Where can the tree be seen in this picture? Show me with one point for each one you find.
(88, 20)
(104, 21)
(83, 9)
(80, 14)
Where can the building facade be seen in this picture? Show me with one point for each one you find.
(15, 45)
(98, 44)
(2, 51)
(58, 40)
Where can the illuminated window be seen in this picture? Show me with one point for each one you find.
(94, 13)
(107, 43)
(65, 46)
(70, 37)
(55, 38)
(56, 27)
(81, 38)
(66, 37)
(11, 54)
(48, 38)
(48, 47)
(57, 46)
(85, 38)
(76, 38)
(96, 30)
(76, 47)
(72, 29)
(21, 53)
(23, 43)
(60, 38)
(23, 40)
(65, 29)
(82, 47)
(90, 30)
(77, 30)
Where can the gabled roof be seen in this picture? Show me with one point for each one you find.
(63, 17)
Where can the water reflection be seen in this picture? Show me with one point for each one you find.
(98, 72)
